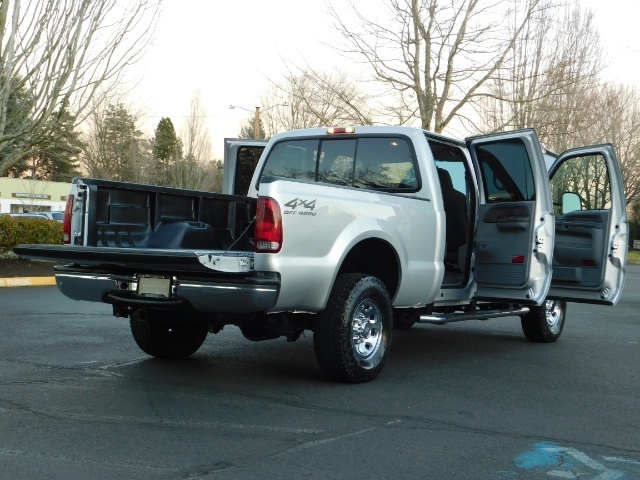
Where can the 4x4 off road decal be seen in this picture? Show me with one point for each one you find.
(301, 206)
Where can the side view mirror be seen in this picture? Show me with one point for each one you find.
(571, 202)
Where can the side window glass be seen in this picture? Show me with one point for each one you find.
(336, 161)
(506, 170)
(384, 163)
(585, 179)
(245, 166)
(293, 159)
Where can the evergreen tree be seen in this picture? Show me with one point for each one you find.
(248, 127)
(167, 148)
(57, 157)
(113, 145)
(19, 109)
(120, 142)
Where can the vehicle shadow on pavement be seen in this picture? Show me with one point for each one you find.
(422, 348)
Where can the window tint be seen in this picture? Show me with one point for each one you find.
(377, 163)
(506, 170)
(336, 161)
(293, 159)
(384, 163)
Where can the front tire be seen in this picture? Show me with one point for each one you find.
(544, 323)
(161, 335)
(353, 334)
(405, 318)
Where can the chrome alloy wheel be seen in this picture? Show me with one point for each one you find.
(553, 315)
(367, 332)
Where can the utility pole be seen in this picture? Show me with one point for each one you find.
(256, 118)
(256, 124)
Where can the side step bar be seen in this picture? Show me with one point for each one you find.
(443, 318)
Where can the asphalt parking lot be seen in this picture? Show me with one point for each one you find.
(472, 400)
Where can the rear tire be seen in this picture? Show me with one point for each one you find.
(544, 324)
(353, 334)
(160, 334)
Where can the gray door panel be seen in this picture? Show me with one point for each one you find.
(590, 243)
(505, 237)
(580, 248)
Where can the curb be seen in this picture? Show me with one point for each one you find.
(27, 282)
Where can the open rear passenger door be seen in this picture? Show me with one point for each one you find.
(515, 224)
(591, 226)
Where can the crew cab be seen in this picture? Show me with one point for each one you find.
(349, 233)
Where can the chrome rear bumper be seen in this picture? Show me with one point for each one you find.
(246, 294)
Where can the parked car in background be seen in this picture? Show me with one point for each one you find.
(56, 215)
(27, 215)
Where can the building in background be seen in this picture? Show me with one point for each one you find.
(20, 195)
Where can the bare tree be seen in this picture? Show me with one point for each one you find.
(548, 82)
(615, 118)
(63, 52)
(196, 168)
(553, 83)
(436, 56)
(314, 99)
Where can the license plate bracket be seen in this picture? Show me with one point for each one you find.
(154, 286)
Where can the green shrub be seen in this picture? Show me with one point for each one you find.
(17, 230)
(633, 257)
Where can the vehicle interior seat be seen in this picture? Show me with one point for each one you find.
(455, 209)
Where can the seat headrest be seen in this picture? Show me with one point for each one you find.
(445, 178)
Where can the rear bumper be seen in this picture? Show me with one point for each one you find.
(234, 294)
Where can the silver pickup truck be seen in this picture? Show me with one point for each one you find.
(350, 233)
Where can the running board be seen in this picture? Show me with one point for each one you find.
(441, 319)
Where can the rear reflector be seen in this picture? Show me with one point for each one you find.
(66, 223)
(589, 263)
(268, 226)
(517, 259)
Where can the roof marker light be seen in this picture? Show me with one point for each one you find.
(332, 130)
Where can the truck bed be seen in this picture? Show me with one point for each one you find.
(146, 228)
(128, 215)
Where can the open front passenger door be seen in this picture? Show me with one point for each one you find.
(241, 156)
(591, 226)
(515, 223)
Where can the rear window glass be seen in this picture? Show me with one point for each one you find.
(385, 163)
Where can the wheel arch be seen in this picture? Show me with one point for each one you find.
(377, 257)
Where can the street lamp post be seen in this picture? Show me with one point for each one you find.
(256, 118)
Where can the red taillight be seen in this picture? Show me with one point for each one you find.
(66, 223)
(517, 259)
(268, 226)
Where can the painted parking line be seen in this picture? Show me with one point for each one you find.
(557, 461)
(27, 282)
